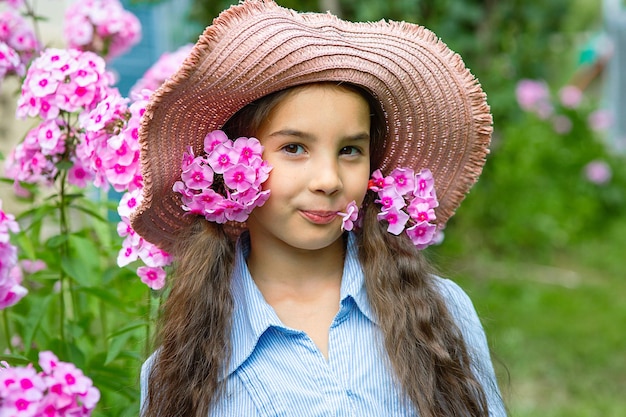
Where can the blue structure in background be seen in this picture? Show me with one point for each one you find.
(164, 28)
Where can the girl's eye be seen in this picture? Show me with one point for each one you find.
(350, 150)
(293, 148)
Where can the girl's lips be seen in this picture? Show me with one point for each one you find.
(319, 217)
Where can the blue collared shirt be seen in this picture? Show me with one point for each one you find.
(279, 371)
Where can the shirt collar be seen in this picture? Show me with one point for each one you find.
(252, 315)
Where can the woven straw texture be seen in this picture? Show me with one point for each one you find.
(436, 112)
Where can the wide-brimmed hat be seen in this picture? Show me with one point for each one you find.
(436, 113)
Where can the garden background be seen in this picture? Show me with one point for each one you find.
(539, 243)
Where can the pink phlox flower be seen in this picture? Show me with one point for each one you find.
(206, 201)
(152, 277)
(235, 186)
(534, 96)
(350, 216)
(598, 172)
(403, 180)
(129, 203)
(600, 120)
(223, 157)
(10, 62)
(31, 266)
(570, 96)
(379, 182)
(248, 149)
(7, 224)
(389, 197)
(79, 175)
(128, 252)
(50, 138)
(198, 175)
(561, 124)
(422, 234)
(152, 255)
(395, 218)
(16, 4)
(21, 390)
(214, 139)
(103, 26)
(240, 177)
(188, 158)
(425, 185)
(422, 210)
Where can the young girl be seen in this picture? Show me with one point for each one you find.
(299, 285)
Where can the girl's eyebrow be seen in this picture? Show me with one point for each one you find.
(308, 137)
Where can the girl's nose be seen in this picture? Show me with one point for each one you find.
(326, 178)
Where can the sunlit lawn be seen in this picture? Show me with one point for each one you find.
(558, 331)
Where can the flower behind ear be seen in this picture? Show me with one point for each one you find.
(407, 203)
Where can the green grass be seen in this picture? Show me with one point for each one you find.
(557, 331)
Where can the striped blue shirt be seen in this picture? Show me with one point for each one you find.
(279, 371)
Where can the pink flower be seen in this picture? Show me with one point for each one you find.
(378, 181)
(102, 26)
(350, 216)
(561, 124)
(416, 192)
(422, 234)
(395, 218)
(598, 172)
(534, 96)
(600, 120)
(234, 186)
(198, 175)
(403, 180)
(570, 96)
(240, 177)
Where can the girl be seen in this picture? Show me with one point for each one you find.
(285, 300)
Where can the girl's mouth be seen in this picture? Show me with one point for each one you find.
(319, 217)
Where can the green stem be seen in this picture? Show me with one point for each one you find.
(7, 332)
(63, 229)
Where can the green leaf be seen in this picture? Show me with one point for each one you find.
(14, 359)
(34, 318)
(116, 346)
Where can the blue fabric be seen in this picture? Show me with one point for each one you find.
(278, 371)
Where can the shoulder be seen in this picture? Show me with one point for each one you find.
(456, 299)
(463, 313)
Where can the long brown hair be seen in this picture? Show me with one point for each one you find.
(425, 347)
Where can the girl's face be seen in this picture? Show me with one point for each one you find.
(317, 139)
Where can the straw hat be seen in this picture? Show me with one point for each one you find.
(436, 112)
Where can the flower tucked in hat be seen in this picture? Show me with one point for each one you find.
(436, 113)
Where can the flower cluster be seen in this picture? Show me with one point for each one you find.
(18, 43)
(135, 247)
(224, 184)
(101, 26)
(407, 198)
(10, 275)
(60, 389)
(57, 84)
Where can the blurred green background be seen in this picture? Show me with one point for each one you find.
(539, 247)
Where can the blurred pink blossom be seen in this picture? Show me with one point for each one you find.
(598, 172)
(600, 120)
(17, 38)
(101, 26)
(534, 96)
(570, 96)
(11, 290)
(561, 124)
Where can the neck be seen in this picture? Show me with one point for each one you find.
(296, 271)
